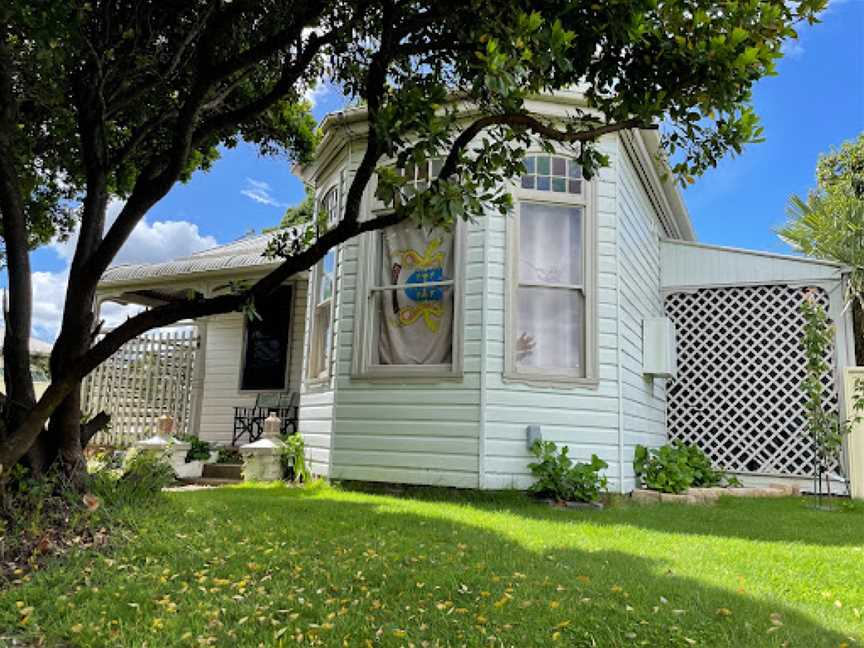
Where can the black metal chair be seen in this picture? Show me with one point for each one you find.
(249, 421)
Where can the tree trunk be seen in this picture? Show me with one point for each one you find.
(20, 395)
(858, 331)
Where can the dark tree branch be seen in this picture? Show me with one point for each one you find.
(94, 426)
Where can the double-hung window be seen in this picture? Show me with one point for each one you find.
(412, 299)
(323, 288)
(552, 288)
(321, 339)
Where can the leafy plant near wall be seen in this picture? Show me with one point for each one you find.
(676, 467)
(199, 450)
(229, 456)
(825, 428)
(293, 458)
(558, 477)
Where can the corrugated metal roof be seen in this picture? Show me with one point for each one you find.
(245, 253)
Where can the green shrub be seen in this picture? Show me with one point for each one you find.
(229, 456)
(199, 450)
(704, 474)
(293, 458)
(558, 477)
(675, 468)
(139, 481)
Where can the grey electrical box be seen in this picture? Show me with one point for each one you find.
(533, 435)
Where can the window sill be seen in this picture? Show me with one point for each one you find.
(318, 385)
(408, 376)
(551, 380)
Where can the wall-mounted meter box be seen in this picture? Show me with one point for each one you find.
(659, 357)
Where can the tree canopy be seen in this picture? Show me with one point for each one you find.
(103, 98)
(829, 222)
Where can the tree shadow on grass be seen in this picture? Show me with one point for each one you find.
(789, 519)
(356, 567)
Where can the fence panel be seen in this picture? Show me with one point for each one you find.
(147, 377)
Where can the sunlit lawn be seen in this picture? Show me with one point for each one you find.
(267, 566)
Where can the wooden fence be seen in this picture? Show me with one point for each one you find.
(147, 377)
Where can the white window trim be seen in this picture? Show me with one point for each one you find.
(286, 382)
(362, 366)
(587, 200)
(320, 379)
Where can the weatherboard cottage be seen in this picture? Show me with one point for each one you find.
(590, 315)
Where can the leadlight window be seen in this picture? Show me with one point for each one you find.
(265, 348)
(552, 173)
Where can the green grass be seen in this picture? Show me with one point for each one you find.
(251, 566)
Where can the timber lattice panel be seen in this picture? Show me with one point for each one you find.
(740, 370)
(147, 377)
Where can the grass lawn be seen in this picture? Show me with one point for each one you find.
(250, 566)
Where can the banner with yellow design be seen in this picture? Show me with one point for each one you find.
(416, 320)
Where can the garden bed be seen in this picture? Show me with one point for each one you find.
(709, 495)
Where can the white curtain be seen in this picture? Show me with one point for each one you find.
(550, 244)
(550, 329)
(415, 325)
(551, 320)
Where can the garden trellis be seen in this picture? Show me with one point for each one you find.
(741, 365)
(147, 377)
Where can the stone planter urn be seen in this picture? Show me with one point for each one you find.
(262, 458)
(166, 446)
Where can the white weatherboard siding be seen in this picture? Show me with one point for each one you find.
(317, 399)
(222, 361)
(583, 418)
(643, 398)
(423, 432)
(691, 265)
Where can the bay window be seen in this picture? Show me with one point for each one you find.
(412, 303)
(551, 295)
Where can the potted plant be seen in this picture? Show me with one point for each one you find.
(199, 453)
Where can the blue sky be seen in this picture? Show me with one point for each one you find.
(816, 102)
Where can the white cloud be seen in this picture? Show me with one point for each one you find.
(792, 48)
(49, 293)
(148, 243)
(261, 193)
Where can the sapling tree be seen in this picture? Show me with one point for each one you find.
(125, 98)
(825, 429)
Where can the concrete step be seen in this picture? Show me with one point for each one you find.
(223, 471)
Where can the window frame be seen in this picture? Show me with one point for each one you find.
(323, 377)
(587, 201)
(286, 381)
(370, 247)
(326, 373)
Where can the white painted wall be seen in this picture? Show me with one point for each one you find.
(222, 360)
(638, 240)
(420, 433)
(583, 418)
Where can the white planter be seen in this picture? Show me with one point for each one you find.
(214, 456)
(190, 470)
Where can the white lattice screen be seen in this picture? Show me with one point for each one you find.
(740, 369)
